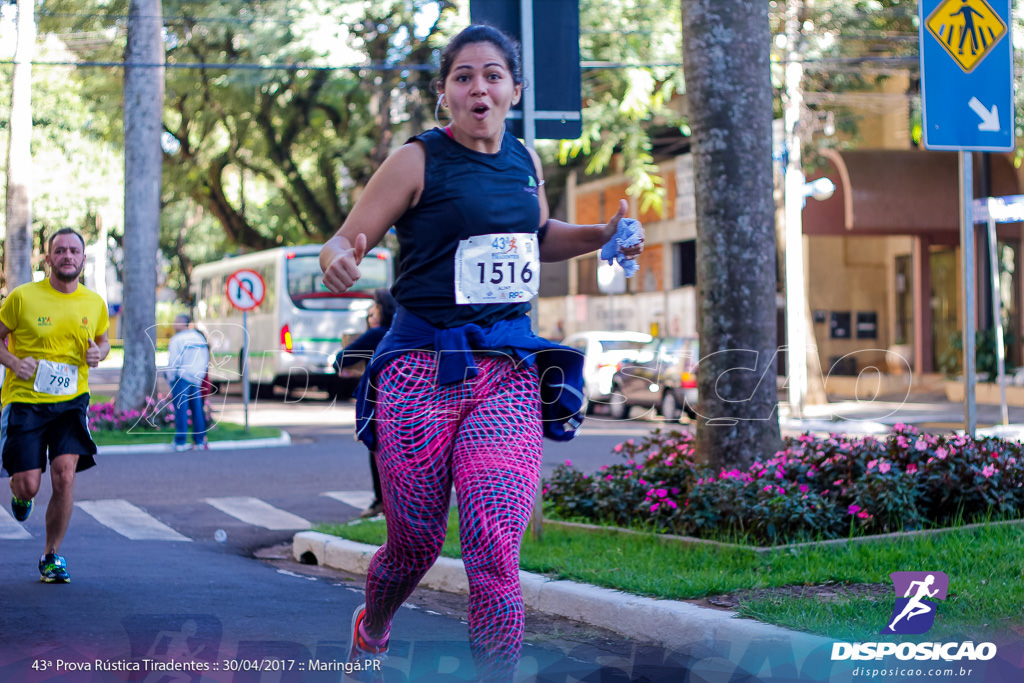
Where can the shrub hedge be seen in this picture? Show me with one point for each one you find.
(155, 414)
(814, 488)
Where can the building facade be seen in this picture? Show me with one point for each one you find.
(881, 256)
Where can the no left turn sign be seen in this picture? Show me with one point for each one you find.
(246, 289)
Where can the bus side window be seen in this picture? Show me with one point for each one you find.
(268, 273)
(217, 298)
(201, 306)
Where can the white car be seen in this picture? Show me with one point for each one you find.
(602, 351)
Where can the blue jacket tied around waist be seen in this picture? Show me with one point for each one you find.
(559, 367)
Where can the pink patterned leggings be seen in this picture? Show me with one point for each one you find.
(483, 435)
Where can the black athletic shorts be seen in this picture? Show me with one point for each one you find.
(29, 430)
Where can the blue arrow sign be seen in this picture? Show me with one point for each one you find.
(967, 75)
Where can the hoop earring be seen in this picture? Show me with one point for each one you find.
(437, 108)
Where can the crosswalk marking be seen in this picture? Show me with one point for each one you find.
(136, 524)
(357, 499)
(10, 529)
(129, 521)
(258, 513)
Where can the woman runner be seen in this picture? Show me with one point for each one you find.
(454, 394)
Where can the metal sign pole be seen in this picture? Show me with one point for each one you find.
(793, 200)
(997, 312)
(529, 135)
(245, 289)
(529, 97)
(967, 258)
(245, 367)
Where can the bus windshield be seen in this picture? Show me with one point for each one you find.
(306, 282)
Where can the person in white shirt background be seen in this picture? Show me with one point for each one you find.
(188, 362)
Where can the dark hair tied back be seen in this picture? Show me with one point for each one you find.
(387, 306)
(483, 33)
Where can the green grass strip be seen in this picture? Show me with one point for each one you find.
(985, 567)
(223, 431)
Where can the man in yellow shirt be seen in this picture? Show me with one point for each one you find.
(51, 333)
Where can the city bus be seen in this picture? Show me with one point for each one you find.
(298, 328)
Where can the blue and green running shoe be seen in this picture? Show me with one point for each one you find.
(21, 508)
(54, 569)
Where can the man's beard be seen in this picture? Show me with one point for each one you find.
(68, 277)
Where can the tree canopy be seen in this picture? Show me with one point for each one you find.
(278, 111)
(79, 176)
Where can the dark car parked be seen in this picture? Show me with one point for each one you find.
(661, 375)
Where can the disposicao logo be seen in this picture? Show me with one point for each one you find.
(914, 612)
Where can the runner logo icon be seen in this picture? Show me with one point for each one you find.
(916, 593)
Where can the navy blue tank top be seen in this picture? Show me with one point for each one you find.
(465, 193)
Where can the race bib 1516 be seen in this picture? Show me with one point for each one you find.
(497, 269)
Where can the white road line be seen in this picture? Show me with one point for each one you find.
(11, 529)
(357, 499)
(258, 513)
(129, 521)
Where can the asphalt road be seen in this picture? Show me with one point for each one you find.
(183, 558)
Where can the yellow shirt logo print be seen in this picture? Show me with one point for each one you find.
(967, 29)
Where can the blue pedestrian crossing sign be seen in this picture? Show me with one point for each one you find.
(967, 75)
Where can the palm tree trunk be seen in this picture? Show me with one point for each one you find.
(143, 107)
(725, 56)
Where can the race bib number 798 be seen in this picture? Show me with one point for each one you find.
(59, 379)
(497, 269)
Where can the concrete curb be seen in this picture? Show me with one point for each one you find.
(283, 440)
(668, 623)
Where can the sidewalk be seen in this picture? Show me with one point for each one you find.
(682, 626)
(674, 625)
(282, 440)
(859, 418)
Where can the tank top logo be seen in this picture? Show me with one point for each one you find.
(531, 188)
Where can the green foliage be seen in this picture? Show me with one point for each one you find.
(155, 424)
(78, 173)
(950, 361)
(625, 105)
(812, 489)
(848, 51)
(274, 153)
(259, 152)
(156, 414)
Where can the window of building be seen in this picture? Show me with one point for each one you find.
(586, 271)
(1008, 284)
(684, 263)
(554, 279)
(904, 331)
